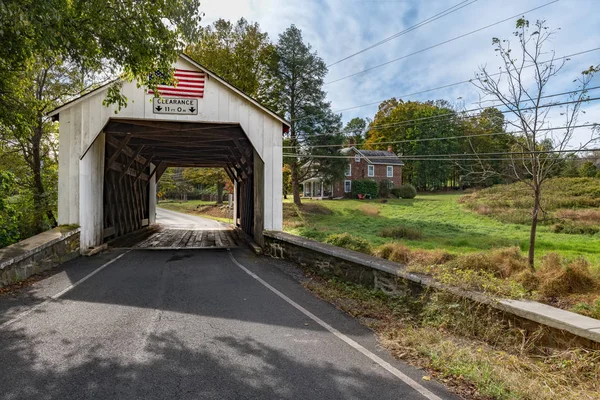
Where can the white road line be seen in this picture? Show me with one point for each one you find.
(384, 364)
(57, 295)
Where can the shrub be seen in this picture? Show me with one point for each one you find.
(574, 229)
(364, 186)
(401, 232)
(9, 214)
(350, 242)
(385, 188)
(559, 277)
(406, 191)
(399, 253)
(501, 263)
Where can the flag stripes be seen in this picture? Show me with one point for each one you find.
(189, 84)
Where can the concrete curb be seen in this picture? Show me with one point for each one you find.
(6, 263)
(539, 313)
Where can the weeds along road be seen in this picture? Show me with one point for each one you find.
(204, 324)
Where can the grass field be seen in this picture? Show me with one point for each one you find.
(444, 223)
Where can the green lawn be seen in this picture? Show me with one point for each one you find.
(444, 222)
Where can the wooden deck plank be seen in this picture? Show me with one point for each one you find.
(185, 236)
(218, 240)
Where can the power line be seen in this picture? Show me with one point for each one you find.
(440, 44)
(453, 114)
(467, 156)
(453, 84)
(442, 14)
(447, 137)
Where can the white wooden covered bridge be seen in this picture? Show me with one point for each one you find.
(111, 160)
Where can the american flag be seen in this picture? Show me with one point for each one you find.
(190, 84)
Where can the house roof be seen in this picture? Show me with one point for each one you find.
(375, 156)
(199, 66)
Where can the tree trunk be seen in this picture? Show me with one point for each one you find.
(295, 184)
(220, 187)
(534, 222)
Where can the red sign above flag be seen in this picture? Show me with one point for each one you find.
(189, 84)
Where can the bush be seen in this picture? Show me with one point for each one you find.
(406, 191)
(502, 263)
(349, 242)
(364, 186)
(401, 254)
(9, 214)
(401, 232)
(385, 188)
(558, 277)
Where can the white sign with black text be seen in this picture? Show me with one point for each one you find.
(172, 105)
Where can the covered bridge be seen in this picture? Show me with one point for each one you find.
(110, 159)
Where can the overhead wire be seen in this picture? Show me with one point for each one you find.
(439, 44)
(465, 156)
(449, 137)
(452, 114)
(452, 84)
(433, 18)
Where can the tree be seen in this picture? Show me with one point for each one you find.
(520, 87)
(411, 125)
(299, 91)
(134, 38)
(46, 83)
(240, 53)
(173, 182)
(588, 170)
(9, 215)
(208, 176)
(355, 128)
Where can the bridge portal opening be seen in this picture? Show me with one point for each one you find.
(138, 152)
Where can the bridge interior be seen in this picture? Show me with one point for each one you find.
(138, 150)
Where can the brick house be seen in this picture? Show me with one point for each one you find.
(377, 165)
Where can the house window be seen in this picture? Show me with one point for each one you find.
(348, 170)
(371, 170)
(390, 171)
(347, 186)
(357, 158)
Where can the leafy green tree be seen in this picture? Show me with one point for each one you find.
(208, 176)
(241, 53)
(173, 182)
(9, 215)
(46, 83)
(411, 122)
(355, 129)
(299, 73)
(134, 38)
(588, 170)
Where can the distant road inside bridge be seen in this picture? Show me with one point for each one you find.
(176, 220)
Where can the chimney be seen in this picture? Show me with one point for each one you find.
(350, 141)
(390, 149)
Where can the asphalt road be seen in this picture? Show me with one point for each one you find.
(204, 324)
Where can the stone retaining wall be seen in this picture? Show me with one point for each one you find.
(37, 254)
(563, 328)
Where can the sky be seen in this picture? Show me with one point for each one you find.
(338, 28)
